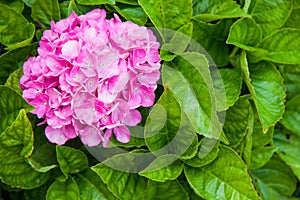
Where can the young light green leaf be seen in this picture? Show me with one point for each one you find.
(271, 15)
(168, 130)
(288, 145)
(237, 121)
(205, 34)
(266, 85)
(10, 104)
(167, 190)
(291, 117)
(16, 144)
(63, 190)
(211, 10)
(92, 187)
(96, 2)
(231, 79)
(45, 10)
(71, 161)
(274, 180)
(167, 13)
(156, 172)
(188, 76)
(15, 30)
(17, 5)
(13, 80)
(245, 34)
(132, 13)
(280, 48)
(227, 175)
(123, 185)
(207, 152)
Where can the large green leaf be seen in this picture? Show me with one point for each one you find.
(261, 156)
(288, 145)
(123, 185)
(17, 5)
(291, 117)
(16, 144)
(207, 152)
(271, 14)
(291, 76)
(189, 78)
(15, 30)
(63, 190)
(211, 10)
(10, 104)
(280, 48)
(12, 60)
(266, 86)
(168, 130)
(132, 186)
(91, 186)
(157, 171)
(167, 190)
(212, 38)
(225, 178)
(71, 161)
(45, 10)
(13, 80)
(274, 180)
(167, 14)
(245, 33)
(231, 79)
(129, 2)
(237, 121)
(96, 2)
(294, 18)
(132, 13)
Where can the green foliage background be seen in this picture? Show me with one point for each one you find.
(256, 47)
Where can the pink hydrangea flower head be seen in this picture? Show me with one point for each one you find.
(90, 77)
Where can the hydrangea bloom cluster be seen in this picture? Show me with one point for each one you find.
(90, 76)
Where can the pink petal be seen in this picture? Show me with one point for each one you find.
(70, 49)
(122, 134)
(56, 135)
(90, 136)
(132, 118)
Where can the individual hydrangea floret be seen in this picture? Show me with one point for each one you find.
(90, 77)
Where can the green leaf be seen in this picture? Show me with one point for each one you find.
(189, 78)
(167, 190)
(28, 2)
(15, 30)
(17, 5)
(45, 10)
(274, 180)
(91, 186)
(288, 145)
(123, 185)
(37, 193)
(12, 60)
(260, 139)
(168, 130)
(280, 48)
(129, 2)
(63, 190)
(294, 18)
(211, 10)
(96, 2)
(207, 152)
(291, 76)
(133, 13)
(71, 161)
(237, 121)
(212, 38)
(266, 86)
(16, 144)
(13, 80)
(260, 156)
(157, 172)
(9, 110)
(231, 79)
(291, 117)
(271, 15)
(167, 14)
(245, 33)
(297, 4)
(226, 177)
